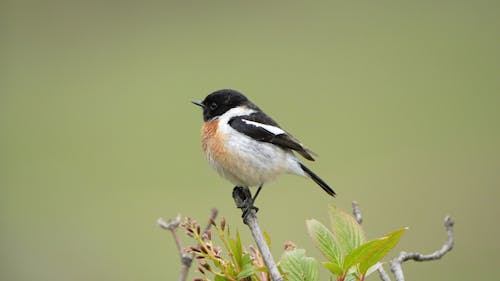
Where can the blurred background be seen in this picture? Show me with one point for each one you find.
(98, 137)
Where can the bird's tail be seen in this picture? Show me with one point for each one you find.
(317, 180)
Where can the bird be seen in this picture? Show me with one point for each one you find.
(246, 146)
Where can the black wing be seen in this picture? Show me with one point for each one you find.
(263, 128)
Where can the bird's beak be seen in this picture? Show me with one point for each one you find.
(199, 103)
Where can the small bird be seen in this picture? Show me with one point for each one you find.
(246, 146)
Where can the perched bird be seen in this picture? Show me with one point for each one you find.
(246, 146)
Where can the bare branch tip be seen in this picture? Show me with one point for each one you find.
(357, 212)
(171, 224)
(448, 221)
(214, 212)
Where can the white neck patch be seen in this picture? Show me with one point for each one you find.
(236, 111)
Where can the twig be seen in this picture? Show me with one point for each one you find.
(405, 256)
(396, 264)
(242, 197)
(357, 212)
(359, 218)
(186, 260)
(172, 225)
(213, 214)
(382, 274)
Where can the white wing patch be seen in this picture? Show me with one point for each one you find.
(272, 129)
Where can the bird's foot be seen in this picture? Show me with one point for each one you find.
(247, 210)
(244, 201)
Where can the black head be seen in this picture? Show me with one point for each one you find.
(218, 102)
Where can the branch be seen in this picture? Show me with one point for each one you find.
(357, 212)
(172, 225)
(396, 264)
(404, 256)
(359, 218)
(243, 198)
(382, 274)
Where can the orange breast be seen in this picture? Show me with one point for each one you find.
(211, 141)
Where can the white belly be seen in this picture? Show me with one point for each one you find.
(252, 163)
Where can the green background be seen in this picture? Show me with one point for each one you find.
(98, 137)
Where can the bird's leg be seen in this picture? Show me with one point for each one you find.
(244, 200)
(256, 193)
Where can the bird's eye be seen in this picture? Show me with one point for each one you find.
(213, 106)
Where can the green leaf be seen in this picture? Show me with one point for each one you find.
(373, 251)
(325, 241)
(333, 268)
(373, 268)
(236, 249)
(268, 238)
(230, 269)
(220, 278)
(350, 277)
(298, 267)
(245, 260)
(245, 273)
(262, 269)
(217, 263)
(346, 230)
(311, 269)
(351, 274)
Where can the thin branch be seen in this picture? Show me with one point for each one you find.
(172, 225)
(186, 260)
(243, 199)
(213, 214)
(359, 218)
(382, 274)
(357, 212)
(396, 263)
